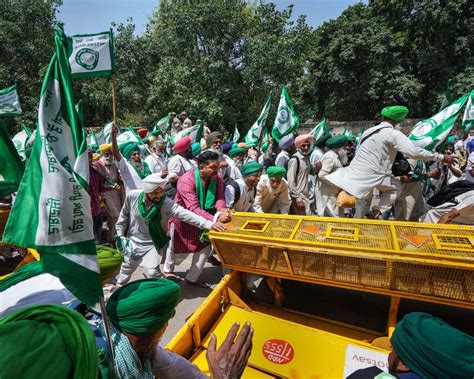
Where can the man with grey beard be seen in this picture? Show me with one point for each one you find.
(107, 169)
(326, 193)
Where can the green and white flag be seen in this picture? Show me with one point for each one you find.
(468, 118)
(91, 55)
(194, 133)
(127, 136)
(92, 140)
(11, 166)
(9, 102)
(163, 124)
(430, 133)
(236, 136)
(253, 135)
(105, 135)
(319, 130)
(286, 120)
(19, 140)
(52, 211)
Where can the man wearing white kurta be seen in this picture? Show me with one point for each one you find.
(136, 227)
(326, 193)
(459, 210)
(157, 162)
(235, 162)
(371, 167)
(272, 192)
(251, 173)
(314, 158)
(287, 148)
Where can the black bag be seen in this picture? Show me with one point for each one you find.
(401, 166)
(449, 192)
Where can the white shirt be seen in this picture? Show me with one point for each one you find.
(282, 158)
(179, 165)
(246, 200)
(272, 200)
(372, 164)
(470, 166)
(464, 203)
(130, 178)
(131, 224)
(232, 171)
(155, 167)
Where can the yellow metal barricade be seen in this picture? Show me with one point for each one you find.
(416, 260)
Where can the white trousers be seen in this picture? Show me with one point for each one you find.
(149, 261)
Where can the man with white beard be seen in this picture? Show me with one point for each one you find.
(272, 192)
(315, 159)
(326, 193)
(157, 162)
(371, 167)
(237, 156)
(113, 199)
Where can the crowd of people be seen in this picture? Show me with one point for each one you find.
(159, 205)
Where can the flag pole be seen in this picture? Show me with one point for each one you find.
(114, 100)
(105, 320)
(147, 148)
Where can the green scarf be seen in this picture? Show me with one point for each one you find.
(207, 199)
(146, 171)
(24, 273)
(153, 216)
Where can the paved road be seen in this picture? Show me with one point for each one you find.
(191, 297)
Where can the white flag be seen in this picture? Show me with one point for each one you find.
(9, 102)
(91, 55)
(468, 118)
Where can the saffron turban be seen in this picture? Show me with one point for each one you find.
(250, 168)
(47, 341)
(432, 348)
(395, 112)
(336, 141)
(302, 139)
(237, 151)
(286, 142)
(144, 306)
(153, 182)
(182, 145)
(142, 132)
(276, 172)
(128, 148)
(105, 147)
(211, 137)
(243, 145)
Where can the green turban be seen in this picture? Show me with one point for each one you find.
(250, 168)
(321, 141)
(452, 139)
(128, 148)
(276, 172)
(109, 261)
(336, 141)
(237, 151)
(395, 112)
(196, 149)
(143, 307)
(351, 137)
(432, 348)
(156, 132)
(47, 341)
(265, 147)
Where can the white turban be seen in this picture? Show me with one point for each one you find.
(152, 182)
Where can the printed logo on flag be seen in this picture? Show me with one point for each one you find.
(7, 108)
(87, 58)
(423, 128)
(283, 115)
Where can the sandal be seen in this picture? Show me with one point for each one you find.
(199, 283)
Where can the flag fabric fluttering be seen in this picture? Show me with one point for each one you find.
(11, 165)
(127, 136)
(286, 120)
(92, 55)
(253, 135)
(430, 133)
(105, 134)
(447, 99)
(319, 130)
(194, 133)
(468, 118)
(163, 124)
(236, 135)
(52, 210)
(19, 140)
(9, 102)
(92, 140)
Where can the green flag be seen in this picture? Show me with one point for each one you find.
(253, 135)
(127, 136)
(319, 130)
(468, 118)
(105, 134)
(9, 102)
(194, 132)
(163, 124)
(447, 99)
(92, 140)
(11, 166)
(236, 136)
(429, 133)
(91, 55)
(286, 120)
(52, 211)
(19, 140)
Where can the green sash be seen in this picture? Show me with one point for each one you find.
(153, 216)
(207, 199)
(146, 171)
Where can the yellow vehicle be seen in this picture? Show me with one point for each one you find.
(335, 289)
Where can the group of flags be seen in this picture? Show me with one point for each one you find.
(52, 208)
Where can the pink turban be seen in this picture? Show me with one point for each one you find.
(302, 139)
(182, 145)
